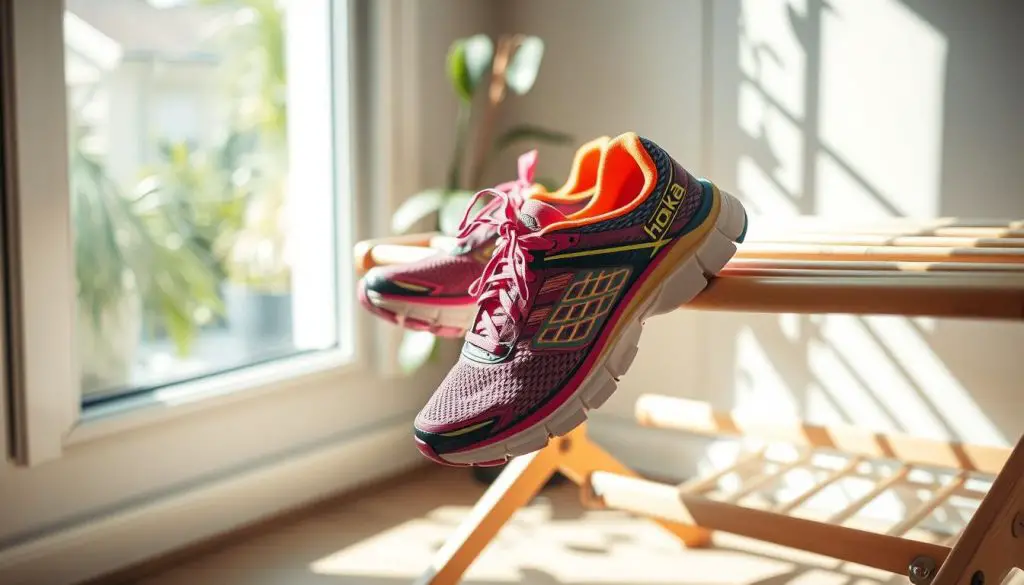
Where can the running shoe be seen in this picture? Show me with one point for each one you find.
(563, 299)
(432, 294)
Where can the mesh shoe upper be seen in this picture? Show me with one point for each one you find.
(441, 274)
(447, 274)
(556, 297)
(474, 391)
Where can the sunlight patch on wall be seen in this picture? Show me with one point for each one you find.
(780, 139)
(854, 400)
(771, 55)
(934, 380)
(821, 407)
(789, 325)
(762, 196)
(841, 196)
(900, 398)
(759, 385)
(882, 88)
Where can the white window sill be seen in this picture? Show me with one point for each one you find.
(335, 367)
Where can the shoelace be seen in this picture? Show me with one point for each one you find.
(513, 191)
(502, 290)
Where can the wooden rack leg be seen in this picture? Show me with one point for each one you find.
(576, 457)
(518, 483)
(582, 458)
(991, 549)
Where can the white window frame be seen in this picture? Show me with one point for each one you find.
(46, 414)
(136, 484)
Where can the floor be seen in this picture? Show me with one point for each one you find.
(388, 538)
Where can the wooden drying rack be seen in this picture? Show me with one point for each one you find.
(939, 268)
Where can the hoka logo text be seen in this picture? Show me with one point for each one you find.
(666, 212)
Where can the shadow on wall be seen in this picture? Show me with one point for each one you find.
(869, 109)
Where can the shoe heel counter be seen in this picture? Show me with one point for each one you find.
(694, 196)
(677, 189)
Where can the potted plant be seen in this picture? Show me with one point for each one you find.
(474, 64)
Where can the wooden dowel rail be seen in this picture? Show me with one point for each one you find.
(887, 240)
(389, 251)
(928, 507)
(365, 252)
(818, 285)
(851, 469)
(699, 485)
(882, 486)
(966, 296)
(940, 227)
(903, 234)
(961, 492)
(818, 487)
(700, 418)
(798, 251)
(740, 266)
(389, 254)
(657, 500)
(767, 478)
(893, 227)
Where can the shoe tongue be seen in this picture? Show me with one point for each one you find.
(536, 215)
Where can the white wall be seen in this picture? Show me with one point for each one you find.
(864, 108)
(440, 23)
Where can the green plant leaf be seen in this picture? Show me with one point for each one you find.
(453, 209)
(458, 72)
(479, 53)
(416, 208)
(525, 64)
(415, 350)
(469, 61)
(529, 132)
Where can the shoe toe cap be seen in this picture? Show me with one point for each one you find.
(381, 280)
(378, 280)
(442, 428)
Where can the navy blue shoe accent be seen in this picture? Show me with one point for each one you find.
(746, 224)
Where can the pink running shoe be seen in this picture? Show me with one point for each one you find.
(564, 297)
(433, 293)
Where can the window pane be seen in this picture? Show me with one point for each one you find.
(184, 219)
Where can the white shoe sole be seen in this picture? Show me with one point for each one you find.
(454, 317)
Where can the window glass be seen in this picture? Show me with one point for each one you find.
(183, 219)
